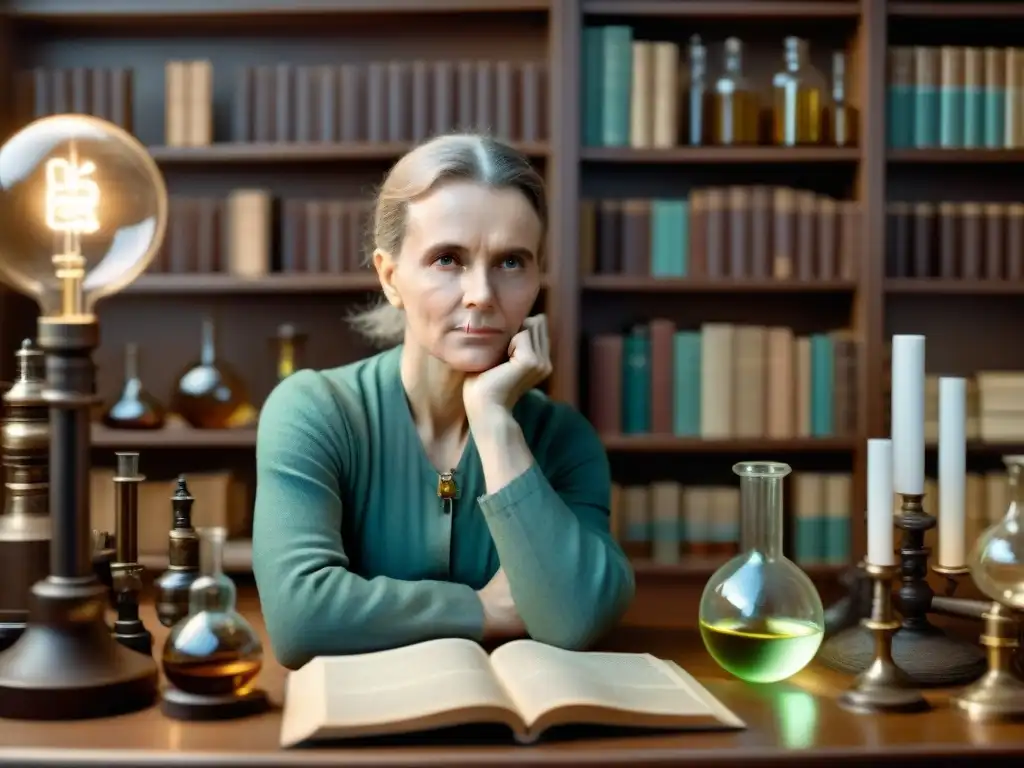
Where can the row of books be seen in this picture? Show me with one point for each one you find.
(391, 101)
(955, 240)
(955, 97)
(665, 521)
(241, 235)
(995, 407)
(724, 232)
(101, 92)
(723, 381)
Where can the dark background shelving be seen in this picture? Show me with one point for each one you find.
(968, 323)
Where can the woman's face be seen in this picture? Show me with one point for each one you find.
(468, 272)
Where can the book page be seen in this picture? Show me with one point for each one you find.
(427, 685)
(541, 678)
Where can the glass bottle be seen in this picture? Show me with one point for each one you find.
(760, 616)
(736, 112)
(209, 394)
(288, 346)
(172, 587)
(698, 97)
(842, 117)
(997, 558)
(214, 651)
(798, 97)
(135, 408)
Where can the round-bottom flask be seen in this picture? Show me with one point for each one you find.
(761, 617)
(213, 652)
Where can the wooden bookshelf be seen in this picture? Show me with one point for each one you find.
(162, 311)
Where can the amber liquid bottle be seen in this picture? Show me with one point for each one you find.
(698, 103)
(842, 117)
(735, 108)
(209, 394)
(798, 94)
(135, 408)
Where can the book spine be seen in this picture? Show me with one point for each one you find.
(486, 103)
(923, 235)
(926, 97)
(784, 231)
(974, 98)
(399, 99)
(422, 99)
(609, 237)
(242, 106)
(828, 238)
(951, 98)
(698, 266)
(1013, 131)
(900, 98)
(995, 227)
(972, 242)
(687, 384)
(716, 233)
(897, 216)
(283, 99)
(588, 237)
(1015, 241)
(591, 120)
(949, 239)
(806, 208)
(636, 382)
(739, 232)
(376, 104)
(995, 98)
(641, 106)
(307, 106)
(616, 87)
(662, 370)
(665, 130)
(761, 233)
(605, 383)
(444, 91)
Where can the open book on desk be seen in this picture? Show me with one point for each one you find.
(526, 685)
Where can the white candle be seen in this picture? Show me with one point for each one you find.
(908, 413)
(880, 503)
(952, 472)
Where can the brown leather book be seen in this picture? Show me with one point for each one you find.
(698, 234)
(761, 234)
(827, 229)
(995, 241)
(81, 91)
(307, 116)
(844, 387)
(923, 234)
(334, 261)
(243, 105)
(738, 237)
(376, 105)
(292, 234)
(399, 99)
(1015, 241)
(609, 237)
(605, 384)
(313, 246)
(183, 236)
(849, 239)
(533, 108)
(486, 118)
(636, 237)
(897, 236)
(352, 101)
(972, 242)
(806, 213)
(662, 335)
(121, 99)
(465, 98)
(784, 230)
(264, 119)
(445, 94)
(60, 91)
(949, 240)
(327, 128)
(422, 99)
(506, 101)
(716, 233)
(588, 237)
(208, 235)
(284, 102)
(99, 94)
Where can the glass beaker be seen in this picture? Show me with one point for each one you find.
(213, 651)
(761, 617)
(997, 558)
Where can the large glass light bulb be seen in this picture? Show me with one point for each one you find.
(997, 559)
(83, 209)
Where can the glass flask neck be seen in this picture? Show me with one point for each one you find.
(1015, 481)
(213, 590)
(208, 348)
(761, 524)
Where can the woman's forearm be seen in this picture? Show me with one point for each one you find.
(504, 454)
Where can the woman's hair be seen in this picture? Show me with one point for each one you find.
(445, 158)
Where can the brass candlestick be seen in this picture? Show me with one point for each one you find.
(999, 694)
(882, 686)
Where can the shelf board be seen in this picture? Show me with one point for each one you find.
(709, 155)
(938, 156)
(946, 287)
(64, 11)
(267, 153)
(275, 283)
(640, 284)
(671, 444)
(723, 9)
(176, 437)
(956, 10)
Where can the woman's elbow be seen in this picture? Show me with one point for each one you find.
(579, 630)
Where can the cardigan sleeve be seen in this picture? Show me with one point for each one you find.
(312, 604)
(570, 580)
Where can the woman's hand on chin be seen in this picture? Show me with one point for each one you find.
(498, 389)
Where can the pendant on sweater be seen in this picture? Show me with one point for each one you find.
(447, 490)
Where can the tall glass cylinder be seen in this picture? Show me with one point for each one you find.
(761, 617)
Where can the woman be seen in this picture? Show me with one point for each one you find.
(355, 545)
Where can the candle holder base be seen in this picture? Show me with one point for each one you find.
(999, 695)
(66, 665)
(929, 657)
(190, 706)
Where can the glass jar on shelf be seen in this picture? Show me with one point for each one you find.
(799, 97)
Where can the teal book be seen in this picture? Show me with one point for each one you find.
(822, 385)
(808, 540)
(670, 224)
(974, 98)
(900, 98)
(592, 77)
(636, 382)
(926, 97)
(951, 98)
(995, 98)
(616, 85)
(836, 540)
(687, 384)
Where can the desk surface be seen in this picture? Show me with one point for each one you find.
(793, 723)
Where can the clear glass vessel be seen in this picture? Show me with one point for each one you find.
(761, 617)
(799, 97)
(135, 408)
(842, 116)
(997, 559)
(736, 113)
(213, 651)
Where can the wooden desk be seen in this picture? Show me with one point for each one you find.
(792, 723)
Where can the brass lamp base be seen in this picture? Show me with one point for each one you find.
(999, 694)
(66, 665)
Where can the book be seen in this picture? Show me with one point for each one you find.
(526, 685)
